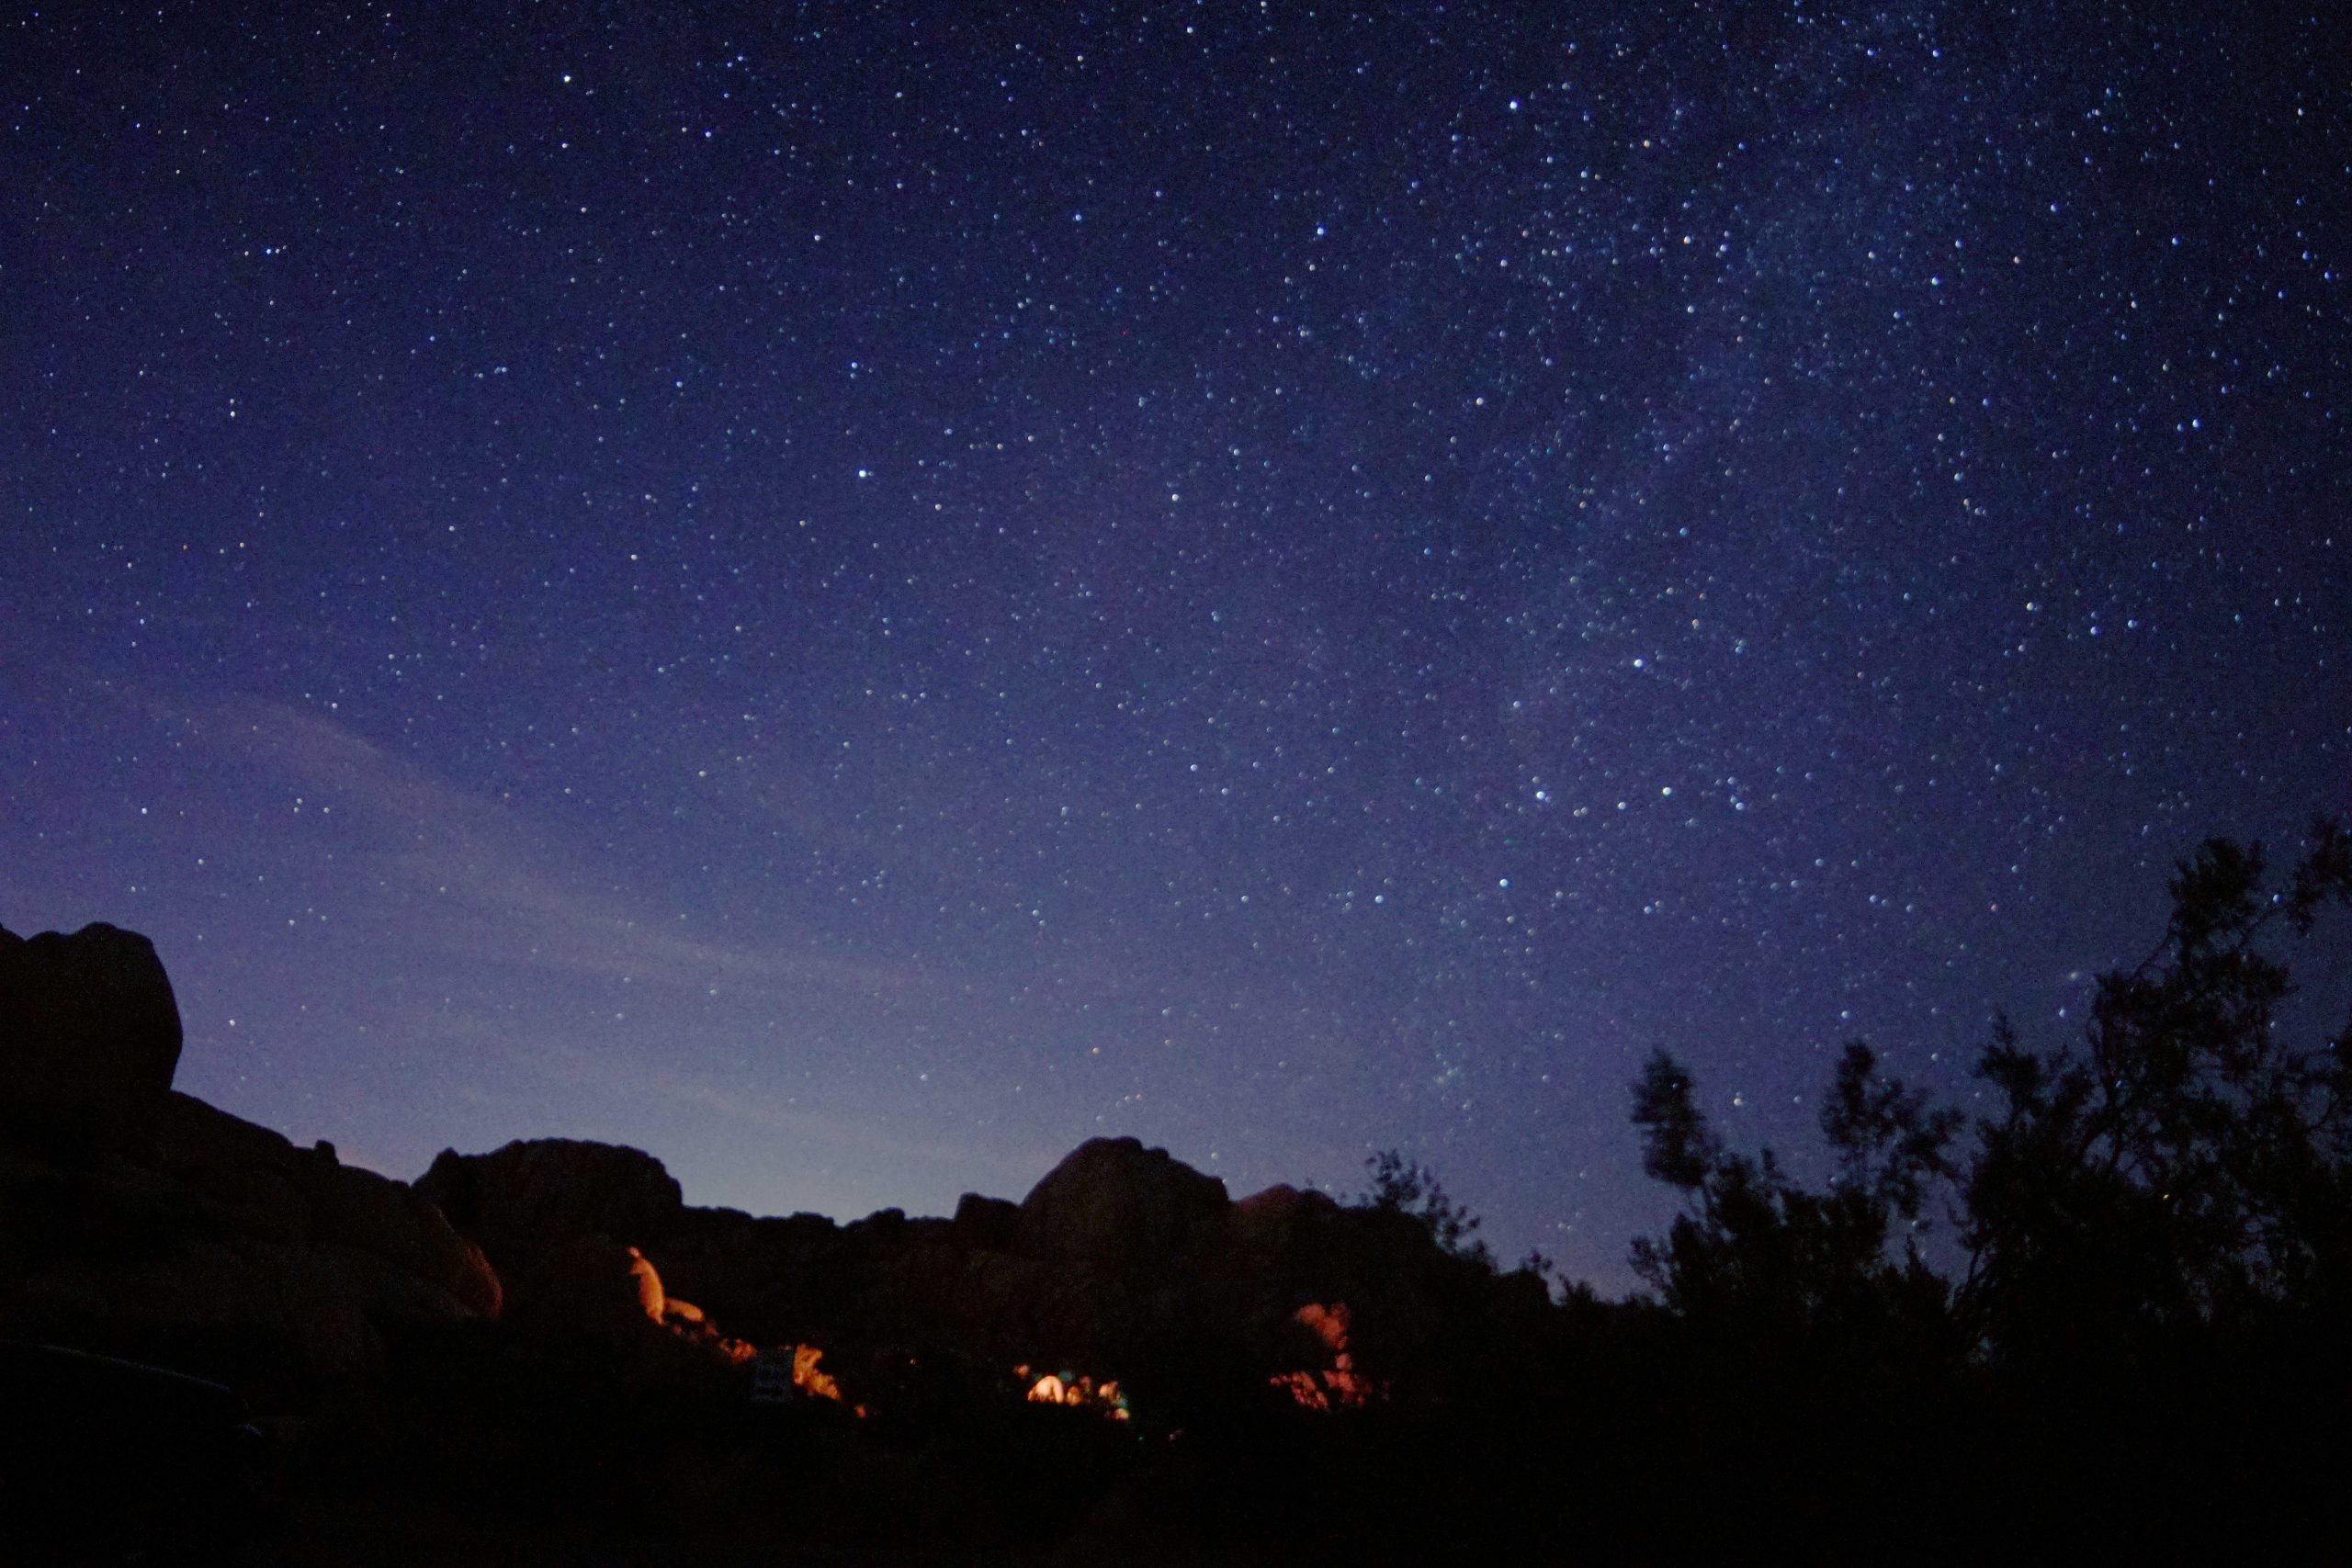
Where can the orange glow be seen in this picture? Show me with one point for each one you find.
(1081, 1392)
(1340, 1387)
(808, 1378)
(650, 1298)
(680, 1317)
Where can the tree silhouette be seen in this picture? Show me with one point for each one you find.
(1400, 1186)
(2182, 1167)
(1757, 1252)
(2185, 1164)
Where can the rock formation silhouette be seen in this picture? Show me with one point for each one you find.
(1126, 1362)
(156, 1223)
(88, 1020)
(138, 1219)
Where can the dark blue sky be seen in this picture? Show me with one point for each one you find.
(854, 595)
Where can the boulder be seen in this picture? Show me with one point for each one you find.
(87, 1022)
(768, 1279)
(1114, 1200)
(986, 1225)
(339, 1301)
(592, 1295)
(208, 1232)
(386, 1219)
(1281, 1211)
(532, 1194)
(250, 1181)
(254, 1183)
(588, 1287)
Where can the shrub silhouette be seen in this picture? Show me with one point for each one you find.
(1758, 1254)
(2182, 1169)
(2185, 1166)
(1400, 1186)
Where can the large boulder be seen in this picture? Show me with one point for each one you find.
(1279, 1213)
(588, 1286)
(803, 1277)
(209, 1231)
(386, 1219)
(250, 1181)
(133, 1217)
(1113, 1200)
(521, 1199)
(87, 1022)
(990, 1224)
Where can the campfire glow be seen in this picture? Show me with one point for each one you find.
(1081, 1392)
(648, 1284)
(678, 1315)
(808, 1378)
(1341, 1387)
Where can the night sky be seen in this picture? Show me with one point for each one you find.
(857, 595)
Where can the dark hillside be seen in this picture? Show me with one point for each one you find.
(543, 1354)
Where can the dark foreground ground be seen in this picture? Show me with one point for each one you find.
(540, 1354)
(469, 1454)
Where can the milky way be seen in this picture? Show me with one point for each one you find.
(854, 595)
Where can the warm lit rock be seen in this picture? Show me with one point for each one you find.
(1338, 1386)
(650, 1297)
(809, 1377)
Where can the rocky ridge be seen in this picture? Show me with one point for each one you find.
(145, 1220)
(138, 1219)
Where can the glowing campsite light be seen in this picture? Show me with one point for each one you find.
(680, 1317)
(1340, 1387)
(808, 1378)
(1077, 1392)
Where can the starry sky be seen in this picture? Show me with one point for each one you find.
(855, 594)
